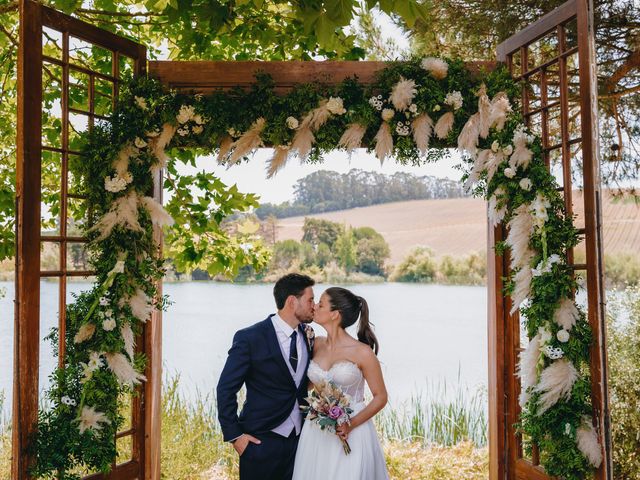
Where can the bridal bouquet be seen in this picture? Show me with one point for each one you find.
(329, 408)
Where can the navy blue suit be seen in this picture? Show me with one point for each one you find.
(255, 360)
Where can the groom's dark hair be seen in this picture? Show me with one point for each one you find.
(291, 284)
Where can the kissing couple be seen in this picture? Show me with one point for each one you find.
(279, 360)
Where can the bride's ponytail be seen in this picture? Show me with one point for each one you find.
(365, 332)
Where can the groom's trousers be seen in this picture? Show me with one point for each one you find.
(270, 460)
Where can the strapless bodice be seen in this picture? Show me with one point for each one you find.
(344, 374)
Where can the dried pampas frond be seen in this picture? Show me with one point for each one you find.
(121, 163)
(159, 143)
(352, 137)
(303, 141)
(437, 67)
(318, 116)
(484, 112)
(90, 419)
(444, 125)
(249, 141)
(402, 94)
(496, 215)
(522, 281)
(528, 368)
(141, 306)
(500, 109)
(279, 159)
(123, 369)
(422, 129)
(159, 215)
(225, 147)
(567, 314)
(521, 156)
(123, 212)
(129, 339)
(384, 142)
(588, 444)
(85, 332)
(468, 138)
(556, 382)
(494, 160)
(479, 165)
(520, 228)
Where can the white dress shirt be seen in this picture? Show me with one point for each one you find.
(283, 332)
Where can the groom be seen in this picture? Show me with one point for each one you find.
(271, 358)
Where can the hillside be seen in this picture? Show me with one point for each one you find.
(458, 226)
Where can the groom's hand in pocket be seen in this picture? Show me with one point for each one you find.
(240, 443)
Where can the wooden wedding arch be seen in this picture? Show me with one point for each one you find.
(558, 101)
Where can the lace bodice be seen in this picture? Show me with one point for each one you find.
(345, 374)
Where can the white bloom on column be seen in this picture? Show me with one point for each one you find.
(509, 172)
(562, 336)
(387, 114)
(95, 362)
(495, 146)
(567, 314)
(109, 324)
(454, 99)
(335, 106)
(85, 332)
(292, 123)
(525, 184)
(67, 400)
(90, 419)
(198, 119)
(185, 114)
(198, 129)
(508, 150)
(139, 142)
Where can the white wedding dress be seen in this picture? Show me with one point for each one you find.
(320, 455)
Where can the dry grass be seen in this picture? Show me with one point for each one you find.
(458, 226)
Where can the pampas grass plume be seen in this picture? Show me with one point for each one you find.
(527, 368)
(468, 138)
(384, 142)
(123, 369)
(85, 332)
(129, 339)
(567, 314)
(124, 212)
(249, 141)
(444, 125)
(402, 94)
(279, 159)
(588, 443)
(159, 215)
(422, 129)
(225, 147)
(556, 382)
(352, 137)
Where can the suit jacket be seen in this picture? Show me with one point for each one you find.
(255, 360)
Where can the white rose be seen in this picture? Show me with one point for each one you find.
(413, 108)
(108, 313)
(495, 146)
(153, 133)
(562, 336)
(437, 108)
(509, 172)
(197, 129)
(183, 131)
(140, 143)
(335, 106)
(525, 184)
(387, 114)
(508, 150)
(127, 177)
(185, 114)
(545, 335)
(198, 119)
(454, 99)
(292, 123)
(108, 324)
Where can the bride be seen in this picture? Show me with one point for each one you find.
(348, 363)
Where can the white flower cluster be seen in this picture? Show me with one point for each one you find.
(109, 323)
(562, 336)
(552, 352)
(403, 128)
(292, 123)
(141, 102)
(188, 113)
(117, 183)
(454, 99)
(539, 210)
(246, 247)
(525, 184)
(68, 401)
(387, 114)
(104, 301)
(95, 362)
(545, 266)
(376, 102)
(335, 106)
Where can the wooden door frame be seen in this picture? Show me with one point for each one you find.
(203, 77)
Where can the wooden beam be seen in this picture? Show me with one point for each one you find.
(28, 191)
(537, 30)
(205, 77)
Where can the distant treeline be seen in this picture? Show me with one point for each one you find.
(326, 191)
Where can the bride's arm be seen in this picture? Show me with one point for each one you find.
(372, 372)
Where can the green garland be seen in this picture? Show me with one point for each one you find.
(128, 267)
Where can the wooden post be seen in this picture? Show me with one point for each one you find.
(27, 280)
(593, 231)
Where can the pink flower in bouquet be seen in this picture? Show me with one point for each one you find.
(335, 412)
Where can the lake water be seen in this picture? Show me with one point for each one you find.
(427, 333)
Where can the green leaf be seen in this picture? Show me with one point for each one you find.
(340, 11)
(325, 31)
(407, 10)
(388, 6)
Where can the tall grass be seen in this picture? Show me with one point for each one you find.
(437, 418)
(5, 443)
